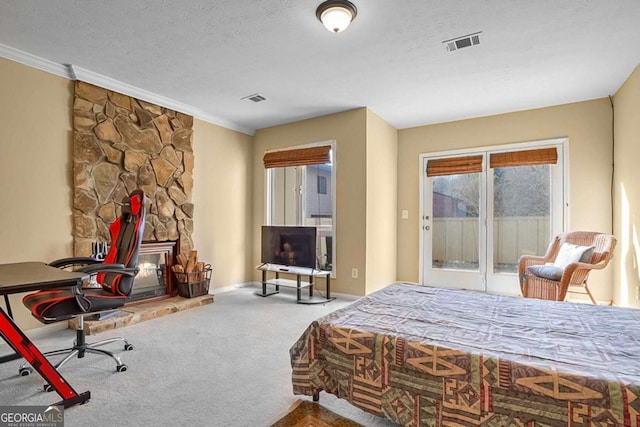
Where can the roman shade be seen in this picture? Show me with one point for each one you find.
(454, 165)
(298, 157)
(541, 156)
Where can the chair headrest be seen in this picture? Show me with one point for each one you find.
(133, 203)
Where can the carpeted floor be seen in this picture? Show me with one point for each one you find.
(224, 364)
(310, 414)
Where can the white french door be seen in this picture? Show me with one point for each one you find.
(483, 209)
(453, 224)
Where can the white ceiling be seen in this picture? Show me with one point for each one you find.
(210, 54)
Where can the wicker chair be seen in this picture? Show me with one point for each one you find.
(574, 274)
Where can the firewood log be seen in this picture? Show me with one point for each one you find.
(200, 269)
(182, 259)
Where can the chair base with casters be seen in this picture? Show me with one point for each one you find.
(113, 277)
(57, 303)
(79, 349)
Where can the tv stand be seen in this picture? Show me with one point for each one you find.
(298, 283)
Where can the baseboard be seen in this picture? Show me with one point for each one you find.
(348, 297)
(233, 287)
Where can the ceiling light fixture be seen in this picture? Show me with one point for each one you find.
(336, 15)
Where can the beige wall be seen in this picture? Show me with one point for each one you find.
(586, 124)
(381, 211)
(348, 129)
(627, 191)
(229, 181)
(35, 171)
(222, 199)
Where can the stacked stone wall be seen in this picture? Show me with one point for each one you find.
(122, 143)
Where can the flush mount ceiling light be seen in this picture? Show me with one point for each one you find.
(336, 15)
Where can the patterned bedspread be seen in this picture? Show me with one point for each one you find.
(426, 356)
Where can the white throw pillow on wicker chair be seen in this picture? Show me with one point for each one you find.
(570, 253)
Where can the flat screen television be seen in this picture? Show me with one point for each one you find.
(289, 246)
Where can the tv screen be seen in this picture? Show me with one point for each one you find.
(289, 246)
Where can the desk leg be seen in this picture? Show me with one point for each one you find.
(299, 283)
(15, 355)
(310, 286)
(21, 344)
(8, 305)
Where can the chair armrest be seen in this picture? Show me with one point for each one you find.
(528, 260)
(577, 272)
(110, 268)
(73, 261)
(532, 260)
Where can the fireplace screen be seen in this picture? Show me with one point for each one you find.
(154, 262)
(150, 280)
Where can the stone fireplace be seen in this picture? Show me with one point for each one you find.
(121, 143)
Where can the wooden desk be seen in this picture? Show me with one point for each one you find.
(32, 276)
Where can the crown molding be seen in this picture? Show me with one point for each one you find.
(73, 72)
(33, 61)
(97, 79)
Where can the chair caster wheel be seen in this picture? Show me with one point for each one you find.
(128, 347)
(121, 368)
(48, 388)
(27, 370)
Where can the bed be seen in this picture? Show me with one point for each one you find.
(424, 356)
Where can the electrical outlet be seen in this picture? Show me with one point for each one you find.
(405, 214)
(637, 293)
(354, 273)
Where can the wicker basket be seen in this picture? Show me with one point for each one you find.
(194, 284)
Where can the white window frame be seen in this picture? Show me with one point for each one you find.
(301, 200)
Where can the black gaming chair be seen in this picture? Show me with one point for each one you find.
(115, 275)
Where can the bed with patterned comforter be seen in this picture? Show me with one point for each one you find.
(425, 356)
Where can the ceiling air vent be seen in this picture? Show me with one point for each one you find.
(462, 42)
(256, 97)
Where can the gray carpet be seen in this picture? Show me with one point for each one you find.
(224, 364)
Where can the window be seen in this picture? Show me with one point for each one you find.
(301, 191)
(322, 184)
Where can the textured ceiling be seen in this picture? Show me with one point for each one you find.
(210, 54)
